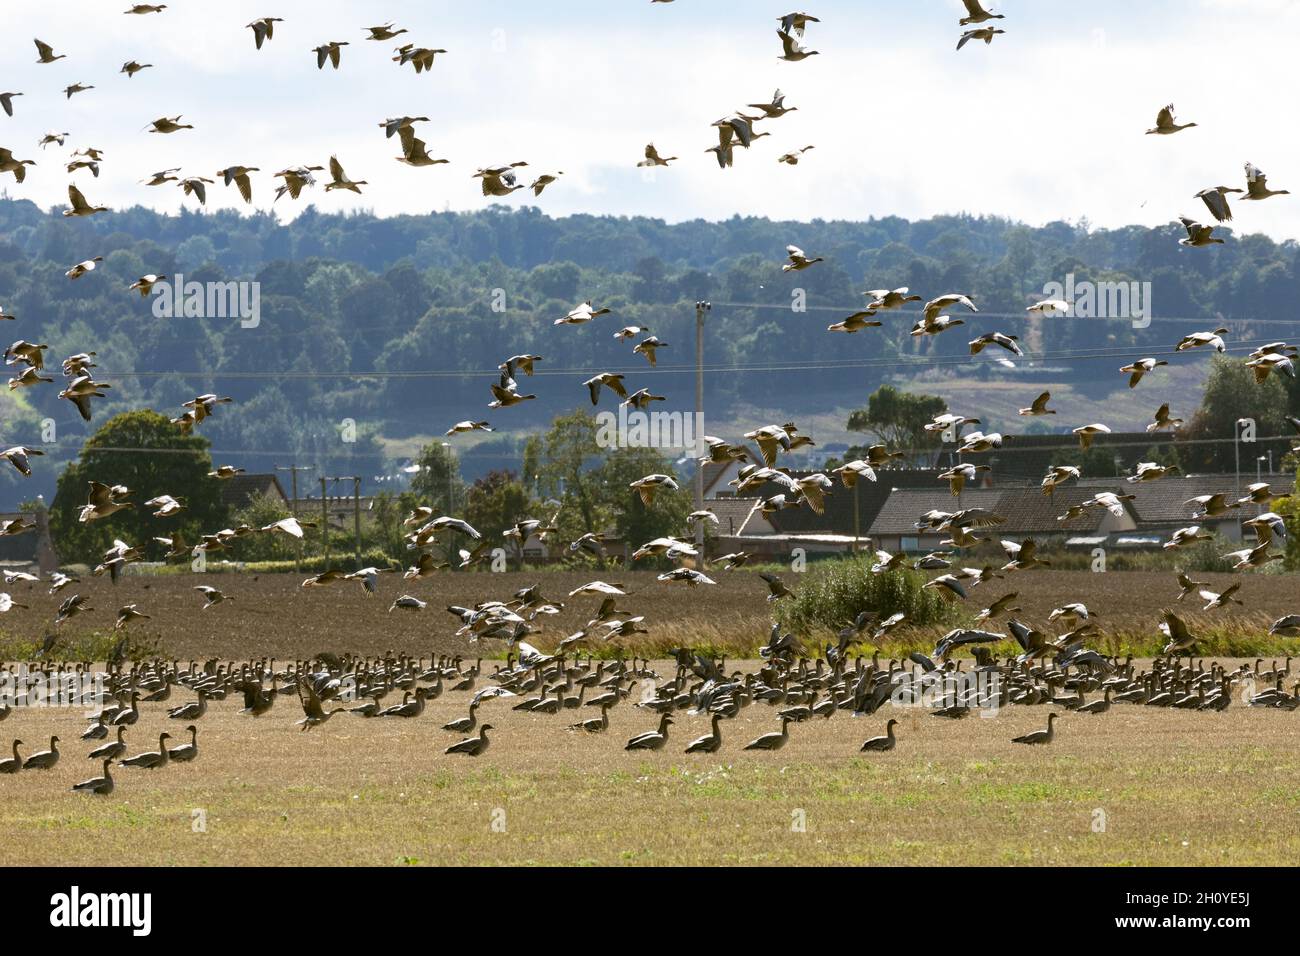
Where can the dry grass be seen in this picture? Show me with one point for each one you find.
(1177, 788)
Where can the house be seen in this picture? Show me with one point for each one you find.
(238, 492)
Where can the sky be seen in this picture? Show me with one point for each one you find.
(1045, 124)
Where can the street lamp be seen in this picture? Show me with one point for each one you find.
(1236, 446)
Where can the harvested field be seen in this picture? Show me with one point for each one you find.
(270, 615)
(1137, 785)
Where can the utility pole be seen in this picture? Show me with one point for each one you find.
(325, 522)
(701, 308)
(451, 542)
(293, 504)
(356, 509)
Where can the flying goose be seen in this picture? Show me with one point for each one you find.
(103, 500)
(126, 614)
(1216, 600)
(7, 102)
(8, 164)
(339, 179)
(890, 299)
(1179, 637)
(1256, 557)
(980, 33)
(776, 588)
(212, 596)
(1165, 124)
(420, 57)
(854, 322)
(330, 51)
(102, 785)
(652, 157)
(49, 138)
(1151, 471)
(1050, 307)
(798, 261)
(580, 313)
(977, 14)
(1184, 537)
(263, 29)
(544, 180)
(647, 348)
(140, 9)
(150, 759)
(1140, 368)
(17, 455)
(647, 486)
(1086, 433)
(79, 205)
(131, 68)
(499, 180)
(1257, 185)
(1039, 736)
(384, 32)
(1216, 200)
(296, 179)
(641, 399)
(75, 88)
(1198, 235)
(881, 744)
(239, 176)
(168, 124)
(406, 601)
(1162, 419)
(1197, 340)
(1211, 506)
(794, 52)
(1008, 342)
(1039, 406)
(46, 53)
(776, 108)
(792, 158)
(472, 746)
(144, 285)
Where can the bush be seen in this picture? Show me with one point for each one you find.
(835, 592)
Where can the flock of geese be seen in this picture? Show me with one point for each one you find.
(801, 684)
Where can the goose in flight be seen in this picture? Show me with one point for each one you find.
(212, 596)
(49, 138)
(652, 157)
(631, 332)
(166, 505)
(296, 179)
(647, 348)
(1108, 501)
(544, 180)
(339, 179)
(1198, 235)
(776, 108)
(384, 32)
(27, 378)
(1211, 506)
(144, 285)
(468, 426)
(70, 91)
(80, 391)
(977, 14)
(1175, 629)
(126, 614)
(506, 393)
(17, 456)
(131, 68)
(79, 205)
(1196, 340)
(1185, 537)
(1008, 342)
(689, 575)
(27, 353)
(263, 29)
(1260, 493)
(1023, 555)
(1257, 185)
(7, 102)
(609, 380)
(1228, 597)
(1256, 557)
(239, 176)
(1216, 200)
(776, 588)
(641, 399)
(103, 500)
(415, 151)
(979, 33)
(395, 124)
(1268, 362)
(1087, 433)
(647, 487)
(935, 307)
(140, 9)
(1140, 368)
(408, 603)
(890, 299)
(792, 158)
(958, 475)
(331, 51)
(168, 124)
(46, 53)
(798, 261)
(1165, 124)
(928, 326)
(583, 312)
(161, 177)
(499, 180)
(796, 22)
(793, 51)
(1163, 420)
(1050, 307)
(855, 322)
(1039, 406)
(196, 186)
(851, 471)
(225, 472)
(420, 57)
(1151, 471)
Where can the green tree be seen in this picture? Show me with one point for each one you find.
(438, 482)
(636, 524)
(898, 419)
(1231, 394)
(495, 502)
(149, 455)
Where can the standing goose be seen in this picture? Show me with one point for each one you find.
(150, 759)
(43, 759)
(881, 744)
(1038, 736)
(463, 725)
(710, 742)
(102, 786)
(472, 746)
(773, 741)
(15, 763)
(111, 750)
(651, 740)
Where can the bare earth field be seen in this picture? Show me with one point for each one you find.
(1172, 787)
(270, 615)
